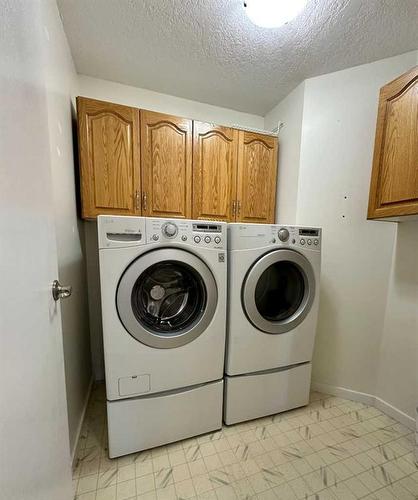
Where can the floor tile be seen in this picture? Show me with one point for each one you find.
(331, 449)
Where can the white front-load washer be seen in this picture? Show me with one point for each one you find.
(273, 298)
(163, 292)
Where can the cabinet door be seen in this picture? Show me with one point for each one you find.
(214, 171)
(257, 173)
(109, 158)
(394, 182)
(166, 164)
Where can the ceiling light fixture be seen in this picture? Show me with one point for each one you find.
(273, 13)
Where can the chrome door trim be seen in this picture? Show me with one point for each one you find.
(127, 282)
(250, 283)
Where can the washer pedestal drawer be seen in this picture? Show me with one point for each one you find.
(140, 423)
(260, 394)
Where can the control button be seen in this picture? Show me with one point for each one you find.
(155, 237)
(273, 240)
(170, 230)
(316, 242)
(184, 237)
(197, 239)
(283, 234)
(309, 242)
(302, 241)
(208, 239)
(217, 239)
(293, 241)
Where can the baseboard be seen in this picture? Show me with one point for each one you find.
(368, 399)
(83, 415)
(393, 412)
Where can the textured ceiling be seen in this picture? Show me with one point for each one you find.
(208, 50)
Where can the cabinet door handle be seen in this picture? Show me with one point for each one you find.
(144, 201)
(238, 208)
(234, 207)
(137, 200)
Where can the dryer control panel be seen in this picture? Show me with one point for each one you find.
(246, 236)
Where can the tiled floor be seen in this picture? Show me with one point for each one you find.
(332, 449)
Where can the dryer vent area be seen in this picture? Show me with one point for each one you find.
(331, 448)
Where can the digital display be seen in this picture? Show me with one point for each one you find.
(207, 228)
(308, 232)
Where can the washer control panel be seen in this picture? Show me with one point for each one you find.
(170, 230)
(196, 233)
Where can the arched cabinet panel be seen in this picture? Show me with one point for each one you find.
(166, 165)
(109, 157)
(257, 171)
(214, 171)
(394, 182)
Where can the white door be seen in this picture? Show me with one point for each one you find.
(34, 448)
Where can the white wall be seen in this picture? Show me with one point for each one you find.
(358, 345)
(398, 357)
(290, 112)
(61, 80)
(145, 99)
(163, 103)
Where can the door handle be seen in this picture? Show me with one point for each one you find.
(137, 195)
(60, 291)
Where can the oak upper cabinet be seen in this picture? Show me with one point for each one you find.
(166, 165)
(394, 182)
(109, 158)
(257, 173)
(215, 150)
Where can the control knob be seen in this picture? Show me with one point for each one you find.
(283, 234)
(170, 230)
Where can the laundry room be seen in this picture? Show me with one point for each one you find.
(209, 250)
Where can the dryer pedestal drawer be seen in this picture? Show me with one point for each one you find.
(257, 395)
(140, 423)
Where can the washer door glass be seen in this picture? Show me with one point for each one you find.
(166, 298)
(278, 291)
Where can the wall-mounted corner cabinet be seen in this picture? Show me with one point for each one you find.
(394, 181)
(137, 162)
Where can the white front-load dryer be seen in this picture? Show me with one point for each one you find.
(163, 291)
(273, 299)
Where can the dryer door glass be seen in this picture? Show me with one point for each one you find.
(166, 298)
(278, 291)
